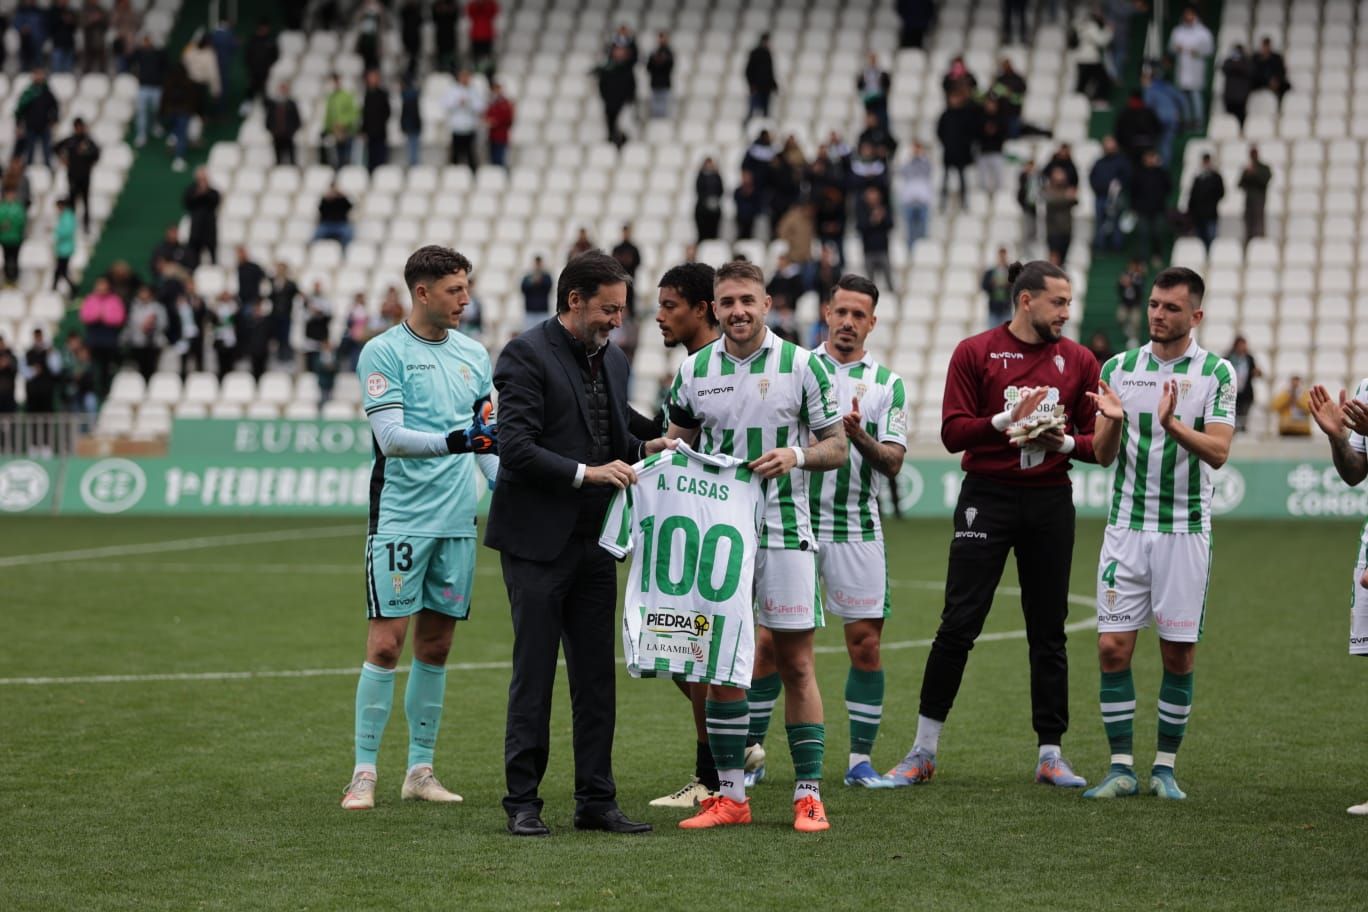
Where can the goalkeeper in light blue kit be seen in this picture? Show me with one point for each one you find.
(420, 380)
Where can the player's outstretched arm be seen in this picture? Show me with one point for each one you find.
(1110, 417)
(1211, 445)
(1330, 416)
(398, 442)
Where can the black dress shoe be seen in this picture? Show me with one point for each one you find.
(527, 823)
(610, 821)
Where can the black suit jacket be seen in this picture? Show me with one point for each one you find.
(544, 436)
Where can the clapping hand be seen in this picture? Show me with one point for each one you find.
(1168, 403)
(1107, 402)
(1328, 413)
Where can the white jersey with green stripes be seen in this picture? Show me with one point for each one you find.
(1359, 444)
(692, 524)
(845, 503)
(1159, 486)
(746, 407)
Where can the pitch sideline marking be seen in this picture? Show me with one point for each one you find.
(502, 666)
(183, 544)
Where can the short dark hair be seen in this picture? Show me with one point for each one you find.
(1181, 275)
(1031, 277)
(694, 282)
(741, 270)
(433, 262)
(587, 273)
(858, 284)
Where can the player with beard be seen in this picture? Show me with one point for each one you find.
(1016, 496)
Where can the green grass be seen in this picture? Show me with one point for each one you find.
(223, 794)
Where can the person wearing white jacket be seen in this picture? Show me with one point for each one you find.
(1094, 39)
(1192, 45)
(465, 104)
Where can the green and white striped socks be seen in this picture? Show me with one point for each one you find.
(1118, 715)
(1175, 705)
(762, 695)
(727, 724)
(864, 693)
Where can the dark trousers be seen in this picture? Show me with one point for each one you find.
(80, 196)
(1013, 10)
(570, 601)
(463, 150)
(11, 262)
(1038, 524)
(377, 152)
(284, 150)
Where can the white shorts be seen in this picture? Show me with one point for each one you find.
(1159, 574)
(1358, 615)
(786, 596)
(855, 577)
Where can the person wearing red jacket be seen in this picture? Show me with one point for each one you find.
(482, 14)
(498, 118)
(1016, 496)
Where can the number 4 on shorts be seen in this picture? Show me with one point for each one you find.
(1109, 574)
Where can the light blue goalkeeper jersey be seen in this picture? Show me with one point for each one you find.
(437, 385)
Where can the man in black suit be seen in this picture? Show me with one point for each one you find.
(565, 447)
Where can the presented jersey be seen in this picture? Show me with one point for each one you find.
(691, 523)
(845, 503)
(1159, 486)
(744, 408)
(437, 385)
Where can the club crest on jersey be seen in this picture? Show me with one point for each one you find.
(1184, 387)
(1059, 363)
(763, 386)
(398, 583)
(970, 514)
(465, 374)
(1110, 596)
(860, 390)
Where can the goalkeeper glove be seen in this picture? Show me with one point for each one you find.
(481, 436)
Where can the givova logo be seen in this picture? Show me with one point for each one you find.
(23, 485)
(113, 485)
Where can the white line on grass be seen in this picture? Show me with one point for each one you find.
(501, 666)
(181, 544)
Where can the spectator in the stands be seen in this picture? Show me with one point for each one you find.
(103, 314)
(617, 89)
(786, 178)
(873, 83)
(709, 190)
(225, 319)
(992, 136)
(627, 254)
(94, 37)
(660, 70)
(1137, 128)
(750, 204)
(201, 202)
(1246, 372)
(957, 78)
(341, 119)
(361, 326)
(536, 292)
(831, 220)
(317, 324)
(498, 119)
(81, 392)
(9, 378)
(445, 16)
(1192, 45)
(179, 100)
(334, 217)
(1028, 201)
(255, 320)
(411, 118)
(63, 24)
(126, 22)
(761, 82)
(224, 42)
(956, 130)
(375, 116)
(797, 228)
(1094, 42)
(874, 133)
(464, 104)
(202, 65)
(411, 16)
(40, 352)
(250, 277)
(1009, 90)
(1204, 198)
(1292, 405)
(123, 281)
(79, 153)
(1101, 347)
(624, 37)
(482, 14)
(785, 287)
(1149, 193)
(916, 17)
(31, 24)
(1238, 70)
(1130, 286)
(1014, 12)
(582, 244)
(283, 123)
(915, 194)
(874, 220)
(1063, 160)
(1254, 181)
(1119, 13)
(1161, 97)
(145, 331)
(64, 244)
(261, 54)
(150, 65)
(1270, 70)
(996, 286)
(371, 22)
(325, 369)
(35, 114)
(1060, 200)
(171, 249)
(869, 169)
(284, 292)
(13, 223)
(1109, 178)
(16, 178)
(194, 319)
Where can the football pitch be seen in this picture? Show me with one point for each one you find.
(176, 701)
